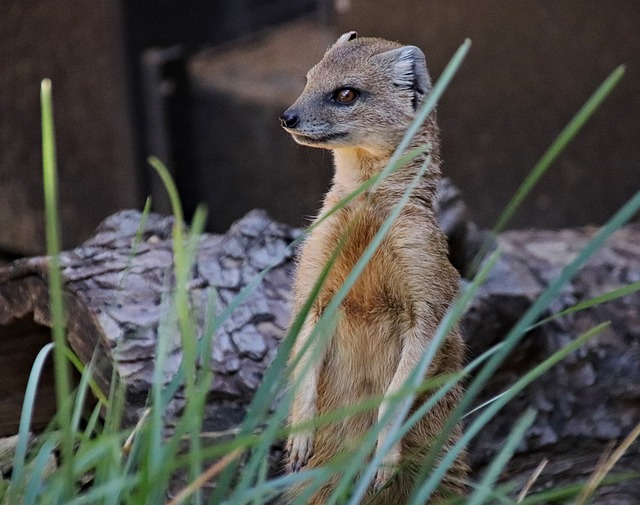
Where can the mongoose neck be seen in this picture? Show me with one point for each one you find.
(355, 165)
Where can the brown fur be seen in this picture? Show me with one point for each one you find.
(390, 315)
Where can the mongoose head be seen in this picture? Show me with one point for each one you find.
(363, 94)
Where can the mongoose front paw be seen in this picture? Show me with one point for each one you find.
(387, 468)
(382, 477)
(300, 449)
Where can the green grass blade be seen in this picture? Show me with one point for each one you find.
(79, 366)
(81, 396)
(36, 472)
(113, 415)
(137, 239)
(191, 421)
(171, 189)
(112, 422)
(25, 419)
(402, 406)
(518, 331)
(484, 404)
(104, 457)
(275, 377)
(592, 302)
(62, 373)
(184, 256)
(196, 405)
(429, 104)
(274, 487)
(502, 458)
(181, 269)
(92, 423)
(157, 450)
(179, 314)
(97, 493)
(438, 472)
(185, 246)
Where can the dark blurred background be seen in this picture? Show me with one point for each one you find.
(200, 84)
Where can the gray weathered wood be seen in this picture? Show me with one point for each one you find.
(116, 301)
(592, 397)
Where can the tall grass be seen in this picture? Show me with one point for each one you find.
(136, 466)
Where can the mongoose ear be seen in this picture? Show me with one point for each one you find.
(346, 37)
(409, 70)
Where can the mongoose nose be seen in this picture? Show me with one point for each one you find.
(289, 119)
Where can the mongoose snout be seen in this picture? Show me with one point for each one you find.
(289, 119)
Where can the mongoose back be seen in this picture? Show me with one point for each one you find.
(358, 102)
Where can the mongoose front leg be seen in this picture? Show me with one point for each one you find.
(304, 407)
(415, 342)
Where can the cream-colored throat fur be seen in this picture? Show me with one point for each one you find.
(354, 166)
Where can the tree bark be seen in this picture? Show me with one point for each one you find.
(116, 296)
(588, 400)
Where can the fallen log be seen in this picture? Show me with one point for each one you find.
(115, 294)
(590, 399)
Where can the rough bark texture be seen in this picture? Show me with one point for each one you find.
(117, 299)
(593, 396)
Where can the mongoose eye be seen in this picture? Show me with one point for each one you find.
(345, 95)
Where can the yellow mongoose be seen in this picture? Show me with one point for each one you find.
(358, 101)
